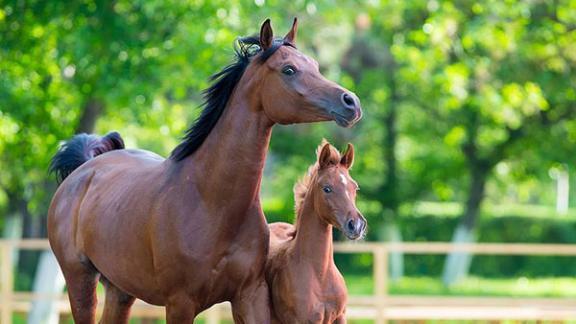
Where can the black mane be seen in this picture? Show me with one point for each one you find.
(217, 95)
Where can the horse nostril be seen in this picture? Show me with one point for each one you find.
(348, 101)
(350, 225)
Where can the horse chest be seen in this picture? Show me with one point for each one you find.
(209, 262)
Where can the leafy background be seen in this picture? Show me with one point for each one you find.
(467, 105)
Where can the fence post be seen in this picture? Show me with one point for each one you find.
(7, 282)
(380, 281)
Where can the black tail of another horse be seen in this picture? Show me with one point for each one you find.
(81, 148)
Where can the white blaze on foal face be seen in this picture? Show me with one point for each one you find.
(345, 183)
(343, 179)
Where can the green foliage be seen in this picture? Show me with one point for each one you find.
(496, 76)
(432, 222)
(504, 228)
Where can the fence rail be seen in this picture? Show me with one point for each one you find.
(380, 306)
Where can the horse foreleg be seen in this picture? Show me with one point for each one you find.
(180, 310)
(117, 304)
(252, 305)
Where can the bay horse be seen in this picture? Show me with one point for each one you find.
(305, 284)
(188, 231)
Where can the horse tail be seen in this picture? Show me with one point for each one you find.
(81, 148)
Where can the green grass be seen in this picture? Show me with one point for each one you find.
(472, 286)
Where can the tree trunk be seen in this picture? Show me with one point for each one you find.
(389, 196)
(390, 232)
(25, 260)
(92, 110)
(457, 264)
(365, 54)
(390, 188)
(475, 196)
(13, 231)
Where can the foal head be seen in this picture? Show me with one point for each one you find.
(291, 88)
(333, 191)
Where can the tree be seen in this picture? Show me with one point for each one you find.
(491, 86)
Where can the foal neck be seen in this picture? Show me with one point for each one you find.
(313, 241)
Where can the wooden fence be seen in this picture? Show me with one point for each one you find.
(380, 306)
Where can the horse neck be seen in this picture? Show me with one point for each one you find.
(313, 241)
(228, 165)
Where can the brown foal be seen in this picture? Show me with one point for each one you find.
(188, 231)
(305, 285)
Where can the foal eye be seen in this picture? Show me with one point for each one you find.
(327, 189)
(289, 70)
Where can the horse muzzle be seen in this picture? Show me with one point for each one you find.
(355, 228)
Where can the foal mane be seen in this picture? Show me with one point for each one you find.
(218, 94)
(303, 185)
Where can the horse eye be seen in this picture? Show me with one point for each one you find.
(289, 70)
(327, 189)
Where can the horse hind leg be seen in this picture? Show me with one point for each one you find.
(117, 304)
(81, 280)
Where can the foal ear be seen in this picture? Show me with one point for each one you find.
(290, 38)
(348, 157)
(266, 35)
(325, 156)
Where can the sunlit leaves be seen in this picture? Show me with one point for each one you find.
(455, 136)
(460, 69)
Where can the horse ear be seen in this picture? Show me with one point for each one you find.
(325, 156)
(348, 157)
(290, 38)
(266, 35)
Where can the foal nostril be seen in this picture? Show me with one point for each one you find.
(363, 226)
(350, 226)
(348, 101)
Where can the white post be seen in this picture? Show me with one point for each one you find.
(391, 233)
(49, 280)
(562, 192)
(457, 264)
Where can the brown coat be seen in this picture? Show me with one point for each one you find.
(305, 284)
(188, 232)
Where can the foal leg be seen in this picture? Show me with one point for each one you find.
(117, 304)
(81, 279)
(252, 305)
